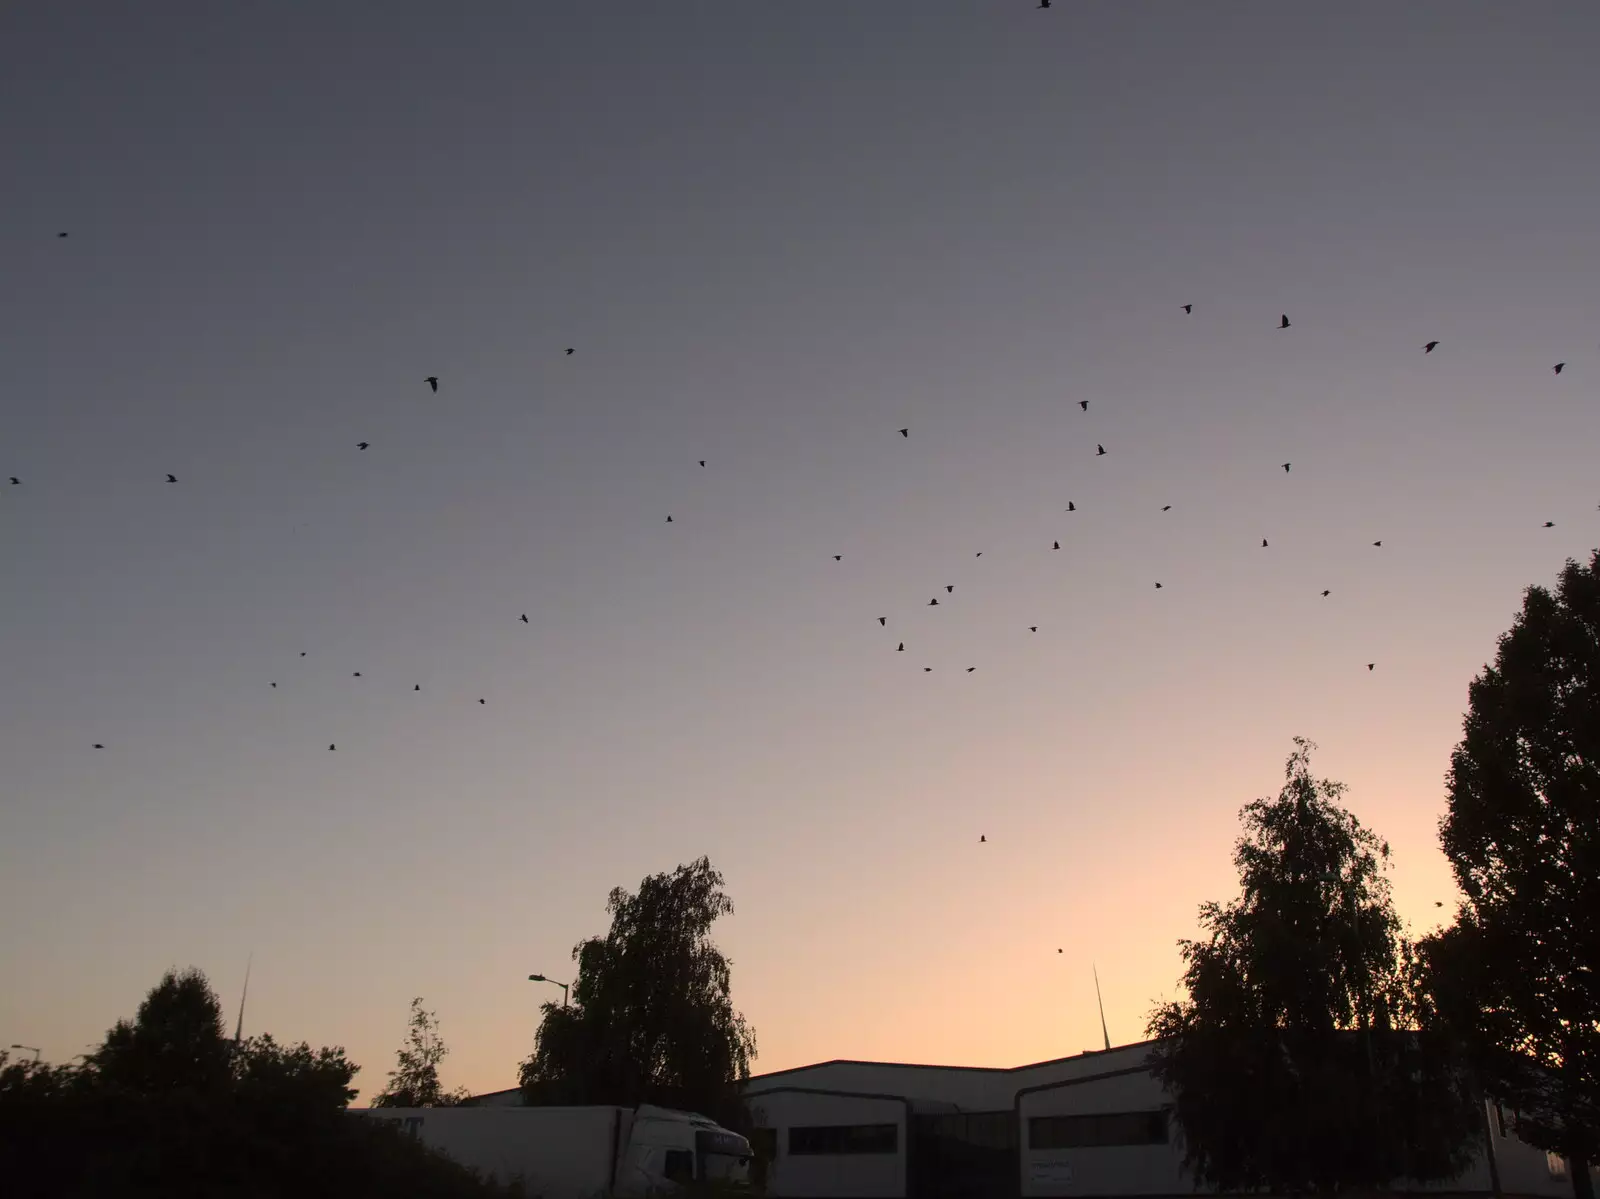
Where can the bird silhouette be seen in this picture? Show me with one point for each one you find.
(883, 620)
(361, 445)
(523, 618)
(901, 648)
(1167, 508)
(332, 747)
(1099, 449)
(1084, 404)
(1559, 365)
(933, 603)
(979, 554)
(1158, 586)
(274, 686)
(1071, 507)
(16, 482)
(1056, 545)
(1033, 628)
(1378, 543)
(949, 587)
(1263, 543)
(1188, 307)
(838, 557)
(702, 462)
(302, 653)
(982, 838)
(1044, 3)
(97, 744)
(970, 669)
(1549, 524)
(418, 687)
(356, 675)
(569, 350)
(432, 381)
(1370, 665)
(61, 235)
(481, 701)
(1430, 347)
(669, 518)
(905, 432)
(927, 670)
(172, 478)
(1326, 594)
(1283, 321)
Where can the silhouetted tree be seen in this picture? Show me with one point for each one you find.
(651, 1020)
(152, 1114)
(176, 1042)
(1296, 1062)
(1518, 977)
(415, 1081)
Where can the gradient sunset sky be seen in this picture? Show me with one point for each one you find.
(775, 234)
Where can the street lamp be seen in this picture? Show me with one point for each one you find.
(30, 1049)
(539, 978)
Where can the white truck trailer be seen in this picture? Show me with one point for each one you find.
(580, 1152)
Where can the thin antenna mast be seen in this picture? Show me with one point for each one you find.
(238, 1029)
(1103, 1033)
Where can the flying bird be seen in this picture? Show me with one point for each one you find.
(905, 432)
(569, 350)
(669, 518)
(970, 669)
(1286, 468)
(901, 648)
(15, 482)
(933, 603)
(1084, 404)
(883, 620)
(1263, 543)
(172, 478)
(1099, 449)
(332, 747)
(1188, 307)
(1430, 347)
(302, 653)
(1549, 524)
(1168, 508)
(1283, 321)
(274, 686)
(982, 838)
(1377, 543)
(1326, 594)
(1370, 665)
(418, 687)
(950, 587)
(1056, 546)
(838, 557)
(927, 670)
(702, 462)
(1071, 507)
(1559, 365)
(432, 381)
(1033, 628)
(97, 745)
(482, 701)
(356, 675)
(361, 445)
(61, 235)
(1044, 3)
(1158, 586)
(979, 554)
(524, 618)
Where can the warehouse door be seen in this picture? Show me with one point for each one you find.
(963, 1155)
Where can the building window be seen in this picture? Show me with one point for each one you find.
(1097, 1131)
(764, 1143)
(844, 1138)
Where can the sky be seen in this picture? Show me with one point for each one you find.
(774, 235)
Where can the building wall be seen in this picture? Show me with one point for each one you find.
(838, 1176)
(1098, 1170)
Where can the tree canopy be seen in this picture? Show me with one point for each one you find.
(1297, 1062)
(168, 1107)
(415, 1080)
(1518, 976)
(651, 1019)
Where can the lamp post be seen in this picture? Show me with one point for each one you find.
(30, 1049)
(539, 978)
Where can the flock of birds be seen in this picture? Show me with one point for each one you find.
(905, 433)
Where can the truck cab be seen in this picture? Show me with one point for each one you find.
(675, 1148)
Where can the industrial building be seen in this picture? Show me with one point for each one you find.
(1095, 1124)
